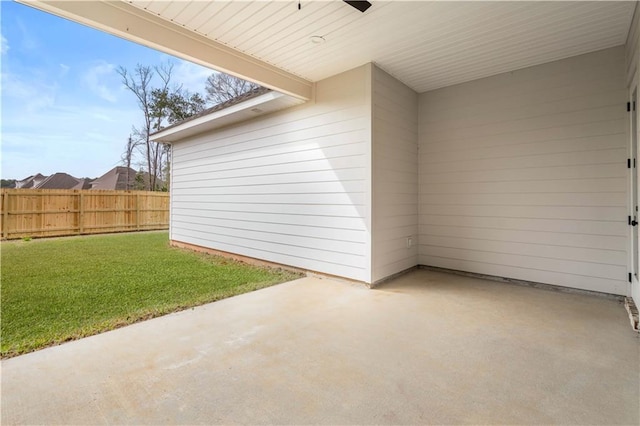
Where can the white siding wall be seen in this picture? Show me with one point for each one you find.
(632, 58)
(291, 187)
(632, 48)
(523, 174)
(395, 175)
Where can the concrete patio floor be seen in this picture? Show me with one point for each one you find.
(426, 348)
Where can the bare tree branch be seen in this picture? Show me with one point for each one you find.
(222, 87)
(140, 85)
(160, 105)
(127, 156)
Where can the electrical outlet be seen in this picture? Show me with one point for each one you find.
(409, 242)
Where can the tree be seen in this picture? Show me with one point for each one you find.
(139, 83)
(139, 180)
(175, 105)
(169, 106)
(8, 183)
(161, 105)
(222, 87)
(127, 156)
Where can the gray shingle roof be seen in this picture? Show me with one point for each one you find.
(115, 178)
(238, 99)
(59, 181)
(30, 181)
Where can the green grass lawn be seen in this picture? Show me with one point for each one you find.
(63, 289)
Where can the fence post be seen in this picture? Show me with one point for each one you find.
(5, 214)
(137, 211)
(81, 213)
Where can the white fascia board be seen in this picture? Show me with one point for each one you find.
(134, 24)
(269, 102)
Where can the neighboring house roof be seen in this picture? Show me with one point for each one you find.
(59, 181)
(116, 178)
(30, 181)
(84, 184)
(55, 181)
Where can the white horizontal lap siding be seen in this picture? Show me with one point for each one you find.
(289, 187)
(522, 175)
(395, 175)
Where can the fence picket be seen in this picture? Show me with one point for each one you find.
(60, 212)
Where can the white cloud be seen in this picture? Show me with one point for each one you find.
(48, 127)
(64, 70)
(191, 76)
(30, 92)
(66, 139)
(97, 79)
(27, 40)
(103, 117)
(4, 47)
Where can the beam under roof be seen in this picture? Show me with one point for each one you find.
(131, 23)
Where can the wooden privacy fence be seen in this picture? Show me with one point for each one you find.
(58, 212)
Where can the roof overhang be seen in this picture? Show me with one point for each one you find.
(131, 23)
(425, 44)
(251, 108)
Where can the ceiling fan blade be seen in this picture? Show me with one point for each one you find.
(360, 5)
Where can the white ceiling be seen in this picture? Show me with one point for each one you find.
(426, 45)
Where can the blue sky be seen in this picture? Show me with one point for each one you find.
(64, 108)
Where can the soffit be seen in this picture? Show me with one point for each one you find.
(264, 103)
(427, 45)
